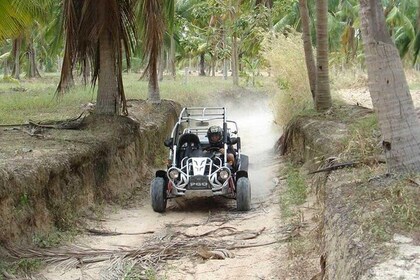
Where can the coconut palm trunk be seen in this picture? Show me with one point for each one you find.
(225, 62)
(99, 32)
(307, 46)
(66, 75)
(235, 60)
(154, 92)
(161, 65)
(5, 68)
(202, 64)
(86, 72)
(152, 27)
(108, 99)
(32, 68)
(389, 91)
(322, 94)
(418, 16)
(172, 58)
(17, 45)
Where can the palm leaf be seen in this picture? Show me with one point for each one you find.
(14, 18)
(152, 28)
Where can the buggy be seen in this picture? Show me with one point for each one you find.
(195, 166)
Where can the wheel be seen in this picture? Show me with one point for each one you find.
(243, 194)
(158, 194)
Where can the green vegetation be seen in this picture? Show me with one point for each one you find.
(137, 273)
(363, 141)
(388, 208)
(21, 267)
(292, 78)
(54, 238)
(295, 193)
(35, 100)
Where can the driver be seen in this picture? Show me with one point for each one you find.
(215, 136)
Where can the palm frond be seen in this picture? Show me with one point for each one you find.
(152, 28)
(14, 18)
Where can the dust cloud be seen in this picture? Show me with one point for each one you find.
(258, 134)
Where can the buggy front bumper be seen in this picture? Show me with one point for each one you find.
(199, 174)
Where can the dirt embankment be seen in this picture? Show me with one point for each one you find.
(364, 213)
(49, 177)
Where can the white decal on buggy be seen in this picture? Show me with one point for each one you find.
(199, 165)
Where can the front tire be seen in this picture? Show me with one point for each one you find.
(243, 194)
(158, 194)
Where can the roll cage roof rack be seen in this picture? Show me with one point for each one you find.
(203, 114)
(197, 120)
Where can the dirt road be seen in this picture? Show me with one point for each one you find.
(197, 238)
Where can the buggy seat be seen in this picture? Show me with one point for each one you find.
(188, 146)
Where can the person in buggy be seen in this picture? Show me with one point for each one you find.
(215, 136)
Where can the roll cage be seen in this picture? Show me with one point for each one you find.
(196, 166)
(190, 132)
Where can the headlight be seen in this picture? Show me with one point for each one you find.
(224, 174)
(174, 174)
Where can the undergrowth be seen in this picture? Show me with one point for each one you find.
(19, 268)
(389, 207)
(25, 100)
(295, 192)
(363, 141)
(291, 78)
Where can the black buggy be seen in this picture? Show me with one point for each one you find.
(195, 166)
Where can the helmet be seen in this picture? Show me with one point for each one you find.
(214, 134)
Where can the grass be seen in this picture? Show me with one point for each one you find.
(21, 267)
(389, 208)
(137, 273)
(364, 139)
(348, 76)
(35, 99)
(291, 78)
(295, 193)
(54, 238)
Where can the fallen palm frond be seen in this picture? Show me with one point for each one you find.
(151, 253)
(75, 256)
(100, 232)
(216, 232)
(253, 234)
(219, 254)
(118, 268)
(74, 123)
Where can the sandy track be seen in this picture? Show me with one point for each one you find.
(201, 224)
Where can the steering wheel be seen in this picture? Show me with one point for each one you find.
(213, 149)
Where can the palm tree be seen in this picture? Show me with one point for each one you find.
(322, 94)
(16, 52)
(289, 17)
(307, 45)
(152, 27)
(99, 32)
(170, 15)
(234, 13)
(345, 16)
(389, 91)
(21, 20)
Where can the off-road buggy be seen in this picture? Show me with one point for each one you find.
(195, 166)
